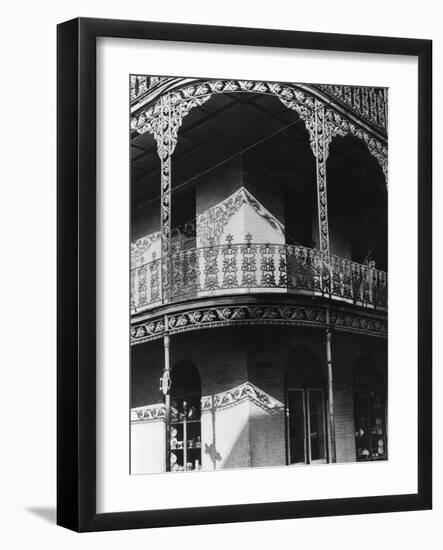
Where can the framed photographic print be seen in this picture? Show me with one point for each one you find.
(230, 203)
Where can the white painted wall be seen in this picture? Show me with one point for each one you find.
(148, 446)
(232, 435)
(239, 214)
(247, 220)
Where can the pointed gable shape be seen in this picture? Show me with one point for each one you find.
(239, 214)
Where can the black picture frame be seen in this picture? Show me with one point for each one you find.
(76, 295)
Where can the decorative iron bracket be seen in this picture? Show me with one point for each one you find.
(164, 126)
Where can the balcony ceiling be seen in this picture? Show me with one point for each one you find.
(224, 126)
(229, 125)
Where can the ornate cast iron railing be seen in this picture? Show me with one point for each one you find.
(369, 103)
(250, 268)
(140, 85)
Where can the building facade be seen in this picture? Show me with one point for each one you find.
(258, 274)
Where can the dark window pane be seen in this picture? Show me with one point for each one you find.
(370, 436)
(296, 426)
(317, 425)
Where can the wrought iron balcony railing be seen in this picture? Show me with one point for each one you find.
(140, 85)
(255, 268)
(369, 103)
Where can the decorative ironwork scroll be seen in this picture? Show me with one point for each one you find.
(321, 131)
(219, 269)
(211, 269)
(244, 392)
(153, 412)
(323, 124)
(189, 96)
(165, 150)
(154, 120)
(249, 315)
(140, 84)
(248, 263)
(223, 400)
(321, 137)
(267, 266)
(320, 134)
(368, 103)
(229, 269)
(343, 127)
(163, 120)
(291, 95)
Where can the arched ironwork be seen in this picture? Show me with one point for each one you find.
(164, 118)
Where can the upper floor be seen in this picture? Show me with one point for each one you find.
(238, 193)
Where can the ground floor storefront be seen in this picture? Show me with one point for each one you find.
(258, 396)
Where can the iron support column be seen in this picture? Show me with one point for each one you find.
(332, 454)
(166, 387)
(165, 145)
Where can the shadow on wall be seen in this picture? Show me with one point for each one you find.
(259, 443)
(267, 439)
(214, 455)
(239, 455)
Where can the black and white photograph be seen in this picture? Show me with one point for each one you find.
(258, 274)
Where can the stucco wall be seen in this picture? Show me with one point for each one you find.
(231, 438)
(266, 437)
(248, 221)
(148, 447)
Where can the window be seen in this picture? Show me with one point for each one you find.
(185, 430)
(369, 411)
(305, 406)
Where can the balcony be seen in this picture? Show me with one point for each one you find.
(368, 103)
(254, 268)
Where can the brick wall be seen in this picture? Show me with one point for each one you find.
(245, 434)
(266, 437)
(219, 355)
(147, 363)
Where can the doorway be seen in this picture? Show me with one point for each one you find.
(305, 408)
(306, 426)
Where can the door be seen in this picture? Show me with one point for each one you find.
(306, 426)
